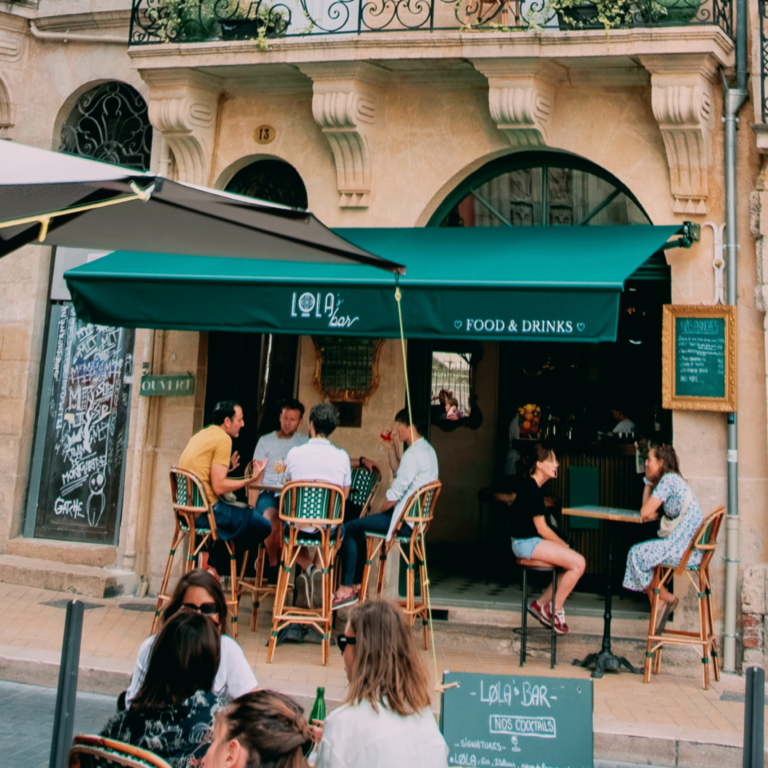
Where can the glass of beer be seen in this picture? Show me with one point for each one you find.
(279, 467)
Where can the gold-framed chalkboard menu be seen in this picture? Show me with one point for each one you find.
(699, 358)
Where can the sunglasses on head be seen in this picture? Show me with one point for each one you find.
(207, 609)
(343, 641)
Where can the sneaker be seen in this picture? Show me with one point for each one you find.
(540, 614)
(344, 602)
(317, 588)
(561, 628)
(303, 591)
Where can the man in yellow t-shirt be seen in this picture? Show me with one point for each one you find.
(209, 455)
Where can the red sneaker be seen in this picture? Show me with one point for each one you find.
(541, 614)
(561, 628)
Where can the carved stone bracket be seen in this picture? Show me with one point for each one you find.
(344, 104)
(521, 98)
(182, 106)
(682, 105)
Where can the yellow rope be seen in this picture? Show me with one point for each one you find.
(425, 585)
(44, 219)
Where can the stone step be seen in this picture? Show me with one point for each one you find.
(72, 552)
(83, 580)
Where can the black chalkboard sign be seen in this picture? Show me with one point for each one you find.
(699, 365)
(516, 721)
(86, 424)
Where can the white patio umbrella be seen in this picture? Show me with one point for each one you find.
(62, 199)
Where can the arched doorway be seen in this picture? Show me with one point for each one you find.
(576, 386)
(270, 179)
(267, 363)
(79, 455)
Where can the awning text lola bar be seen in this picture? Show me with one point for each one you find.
(529, 283)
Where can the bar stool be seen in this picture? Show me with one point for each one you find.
(303, 505)
(704, 541)
(190, 503)
(542, 567)
(258, 585)
(419, 511)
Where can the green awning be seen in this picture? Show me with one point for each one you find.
(524, 283)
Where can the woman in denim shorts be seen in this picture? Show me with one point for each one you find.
(533, 539)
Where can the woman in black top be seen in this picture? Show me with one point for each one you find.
(532, 538)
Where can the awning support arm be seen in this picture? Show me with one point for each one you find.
(45, 218)
(690, 234)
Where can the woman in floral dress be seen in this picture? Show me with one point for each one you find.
(666, 494)
(173, 712)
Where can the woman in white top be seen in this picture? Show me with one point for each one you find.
(386, 720)
(200, 591)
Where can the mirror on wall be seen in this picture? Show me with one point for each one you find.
(453, 401)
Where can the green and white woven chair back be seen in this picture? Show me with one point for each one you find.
(312, 503)
(422, 506)
(101, 757)
(187, 493)
(362, 482)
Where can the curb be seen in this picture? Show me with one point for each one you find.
(660, 745)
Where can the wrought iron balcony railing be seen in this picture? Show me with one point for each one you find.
(763, 9)
(196, 21)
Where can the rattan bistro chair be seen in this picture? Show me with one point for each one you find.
(98, 752)
(705, 541)
(419, 510)
(257, 586)
(189, 503)
(362, 491)
(302, 505)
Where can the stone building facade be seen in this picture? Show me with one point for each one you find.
(381, 128)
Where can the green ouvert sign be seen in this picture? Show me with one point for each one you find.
(167, 385)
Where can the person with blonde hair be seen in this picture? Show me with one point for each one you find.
(261, 728)
(385, 720)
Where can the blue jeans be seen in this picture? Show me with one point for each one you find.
(267, 500)
(243, 525)
(353, 545)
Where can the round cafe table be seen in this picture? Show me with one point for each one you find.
(605, 659)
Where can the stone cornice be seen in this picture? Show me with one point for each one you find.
(96, 22)
(383, 47)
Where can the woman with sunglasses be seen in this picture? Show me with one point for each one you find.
(199, 591)
(173, 713)
(386, 719)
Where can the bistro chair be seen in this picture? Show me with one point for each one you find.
(523, 631)
(97, 752)
(321, 506)
(419, 510)
(365, 483)
(705, 541)
(257, 586)
(189, 503)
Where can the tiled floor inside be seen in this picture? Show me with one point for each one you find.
(451, 589)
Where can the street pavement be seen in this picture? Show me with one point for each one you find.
(26, 724)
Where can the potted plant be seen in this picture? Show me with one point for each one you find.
(605, 14)
(264, 22)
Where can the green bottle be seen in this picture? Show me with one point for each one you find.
(318, 708)
(318, 713)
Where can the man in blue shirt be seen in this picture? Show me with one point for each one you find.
(417, 467)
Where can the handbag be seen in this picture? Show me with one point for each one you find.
(668, 524)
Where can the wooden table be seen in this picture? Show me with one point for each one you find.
(605, 658)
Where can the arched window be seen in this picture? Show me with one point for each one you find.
(539, 188)
(110, 123)
(273, 180)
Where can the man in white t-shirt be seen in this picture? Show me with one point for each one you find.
(319, 460)
(274, 447)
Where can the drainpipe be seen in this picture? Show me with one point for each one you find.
(734, 100)
(66, 37)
